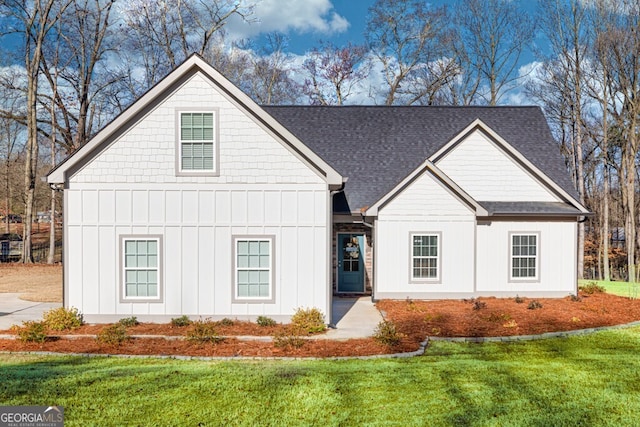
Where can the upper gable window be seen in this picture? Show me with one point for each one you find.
(197, 145)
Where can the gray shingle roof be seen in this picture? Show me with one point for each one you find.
(378, 146)
(528, 208)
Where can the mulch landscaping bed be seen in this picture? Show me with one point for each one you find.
(498, 317)
(482, 317)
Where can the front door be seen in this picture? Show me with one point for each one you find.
(350, 262)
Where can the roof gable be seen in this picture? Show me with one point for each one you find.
(438, 176)
(147, 102)
(501, 172)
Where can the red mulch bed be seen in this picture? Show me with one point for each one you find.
(498, 317)
(482, 317)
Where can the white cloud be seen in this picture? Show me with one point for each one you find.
(300, 16)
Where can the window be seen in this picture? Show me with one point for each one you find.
(141, 268)
(253, 268)
(425, 255)
(524, 256)
(197, 142)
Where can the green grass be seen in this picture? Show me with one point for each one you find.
(625, 289)
(586, 380)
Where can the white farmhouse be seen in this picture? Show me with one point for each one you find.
(197, 201)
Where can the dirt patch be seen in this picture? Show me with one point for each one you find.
(35, 282)
(416, 320)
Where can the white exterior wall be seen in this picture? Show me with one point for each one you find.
(557, 260)
(423, 207)
(132, 188)
(486, 173)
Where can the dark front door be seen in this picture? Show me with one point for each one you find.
(350, 262)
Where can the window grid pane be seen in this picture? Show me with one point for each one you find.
(425, 257)
(197, 139)
(141, 268)
(524, 252)
(253, 268)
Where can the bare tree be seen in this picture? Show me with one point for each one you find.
(10, 130)
(491, 38)
(405, 36)
(622, 47)
(333, 72)
(83, 39)
(269, 81)
(161, 34)
(565, 25)
(34, 19)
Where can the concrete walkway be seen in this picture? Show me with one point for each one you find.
(14, 311)
(353, 318)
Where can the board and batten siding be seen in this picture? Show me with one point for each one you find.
(487, 173)
(424, 206)
(131, 188)
(557, 261)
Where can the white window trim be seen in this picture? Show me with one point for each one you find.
(529, 279)
(438, 278)
(122, 269)
(216, 144)
(235, 298)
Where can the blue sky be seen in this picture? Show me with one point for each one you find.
(306, 22)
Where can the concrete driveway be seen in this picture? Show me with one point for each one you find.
(14, 311)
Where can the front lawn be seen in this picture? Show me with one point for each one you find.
(586, 380)
(625, 289)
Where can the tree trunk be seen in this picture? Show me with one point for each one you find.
(605, 226)
(31, 160)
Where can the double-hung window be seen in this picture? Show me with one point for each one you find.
(197, 145)
(425, 257)
(253, 269)
(141, 260)
(524, 256)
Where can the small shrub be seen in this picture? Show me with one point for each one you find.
(226, 322)
(129, 321)
(386, 333)
(115, 334)
(510, 324)
(289, 338)
(479, 305)
(494, 317)
(533, 305)
(32, 331)
(518, 299)
(204, 331)
(435, 331)
(309, 320)
(437, 317)
(181, 321)
(265, 321)
(592, 288)
(62, 319)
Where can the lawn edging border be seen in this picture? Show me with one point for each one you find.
(419, 352)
